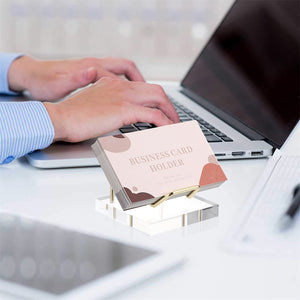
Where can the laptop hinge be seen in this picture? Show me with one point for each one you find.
(236, 124)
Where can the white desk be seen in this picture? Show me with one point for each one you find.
(67, 196)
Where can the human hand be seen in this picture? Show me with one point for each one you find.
(108, 105)
(54, 79)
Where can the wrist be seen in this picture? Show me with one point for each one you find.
(55, 113)
(20, 73)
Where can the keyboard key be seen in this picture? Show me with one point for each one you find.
(177, 104)
(220, 134)
(203, 122)
(226, 139)
(212, 139)
(185, 119)
(141, 124)
(207, 133)
(143, 127)
(126, 130)
(193, 115)
(198, 119)
(186, 110)
(127, 127)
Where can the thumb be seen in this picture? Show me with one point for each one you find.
(88, 76)
(84, 77)
(71, 81)
(91, 75)
(80, 79)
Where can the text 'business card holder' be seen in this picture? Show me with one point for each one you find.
(162, 216)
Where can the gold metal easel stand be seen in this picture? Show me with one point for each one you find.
(192, 189)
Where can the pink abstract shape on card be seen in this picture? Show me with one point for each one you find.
(211, 173)
(116, 143)
(135, 197)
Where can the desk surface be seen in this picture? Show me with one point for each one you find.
(66, 197)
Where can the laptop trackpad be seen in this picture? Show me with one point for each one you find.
(64, 155)
(62, 150)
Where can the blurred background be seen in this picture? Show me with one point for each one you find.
(162, 36)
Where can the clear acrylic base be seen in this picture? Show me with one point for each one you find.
(169, 215)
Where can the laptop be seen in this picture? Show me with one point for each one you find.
(243, 88)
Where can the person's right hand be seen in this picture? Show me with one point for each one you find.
(108, 105)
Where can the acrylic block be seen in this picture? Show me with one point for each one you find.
(169, 215)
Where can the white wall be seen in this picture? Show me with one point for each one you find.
(162, 36)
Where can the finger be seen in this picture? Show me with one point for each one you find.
(132, 72)
(139, 113)
(125, 67)
(162, 101)
(154, 96)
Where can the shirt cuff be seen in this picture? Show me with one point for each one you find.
(5, 61)
(24, 127)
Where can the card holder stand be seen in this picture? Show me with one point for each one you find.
(161, 216)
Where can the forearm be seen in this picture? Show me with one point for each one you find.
(24, 127)
(20, 73)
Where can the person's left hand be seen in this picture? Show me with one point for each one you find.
(54, 79)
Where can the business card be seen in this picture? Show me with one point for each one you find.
(153, 162)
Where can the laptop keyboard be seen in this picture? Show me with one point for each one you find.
(212, 134)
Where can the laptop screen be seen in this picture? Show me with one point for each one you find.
(250, 67)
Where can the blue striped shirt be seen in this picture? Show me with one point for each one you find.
(24, 126)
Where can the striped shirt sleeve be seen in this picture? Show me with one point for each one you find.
(24, 127)
(5, 61)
